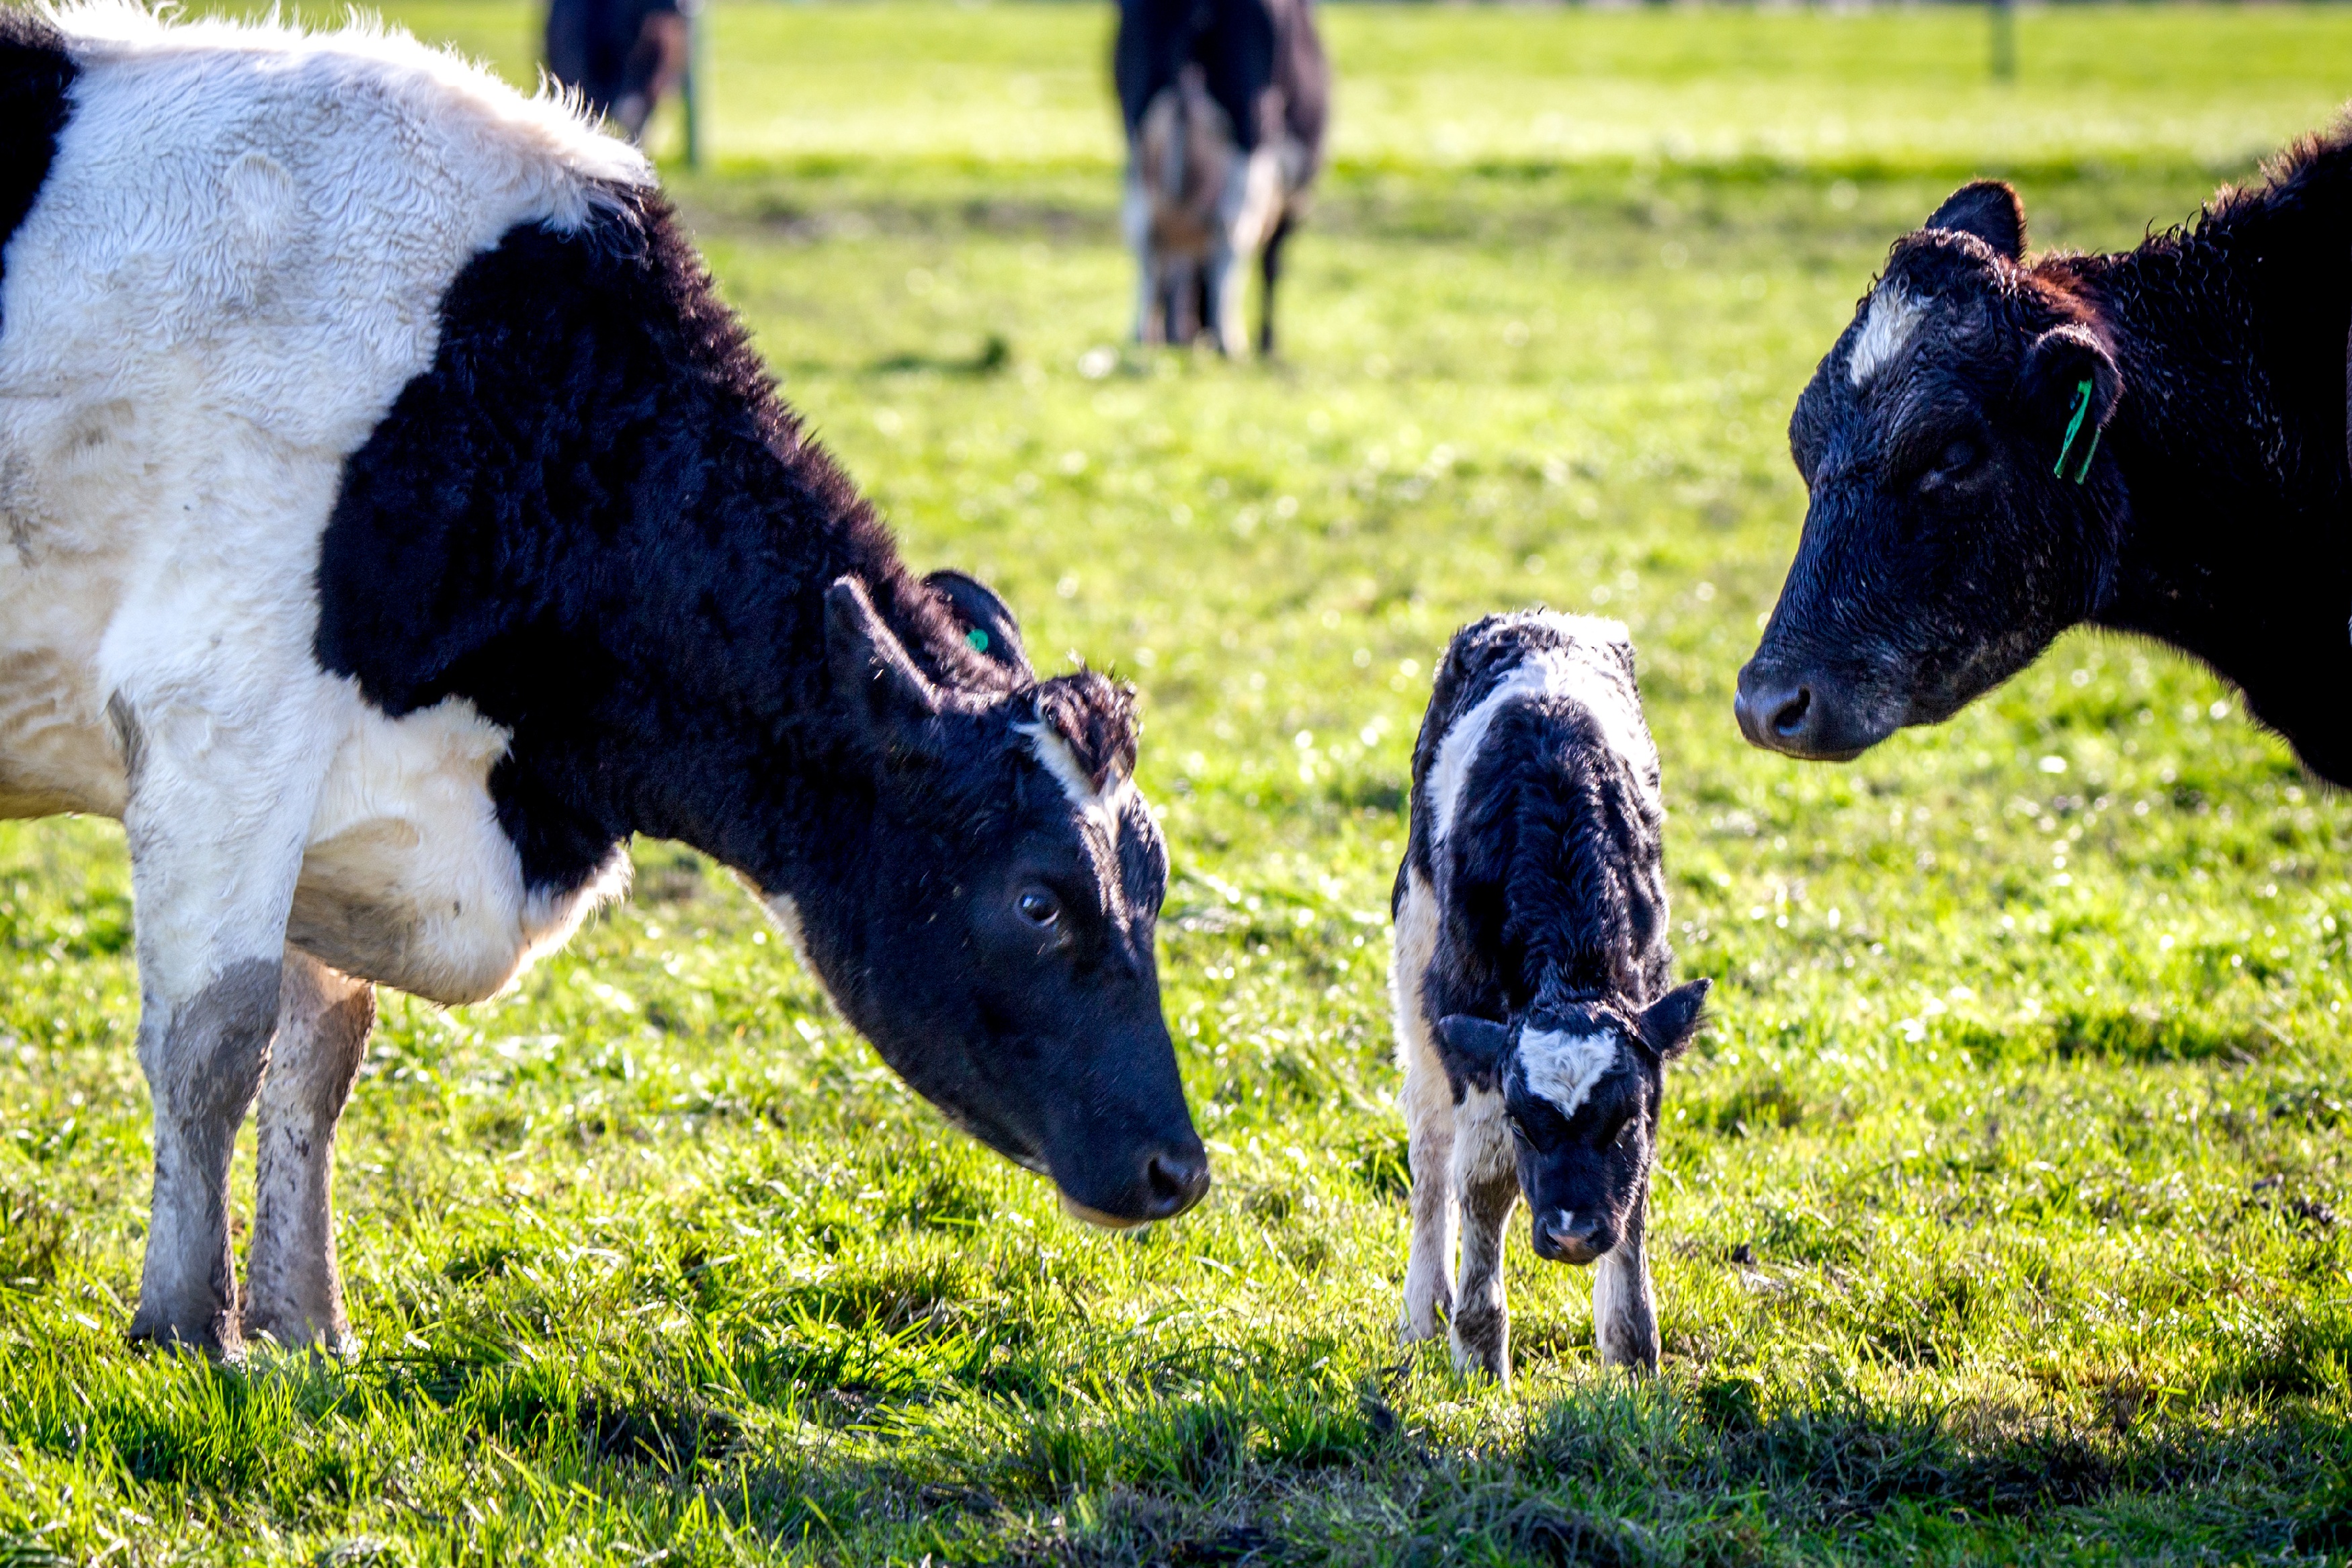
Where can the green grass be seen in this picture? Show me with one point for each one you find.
(2004, 1215)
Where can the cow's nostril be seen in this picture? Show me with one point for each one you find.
(1789, 718)
(1177, 1179)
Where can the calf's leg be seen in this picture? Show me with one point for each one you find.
(1624, 1316)
(1269, 263)
(294, 1292)
(1428, 1120)
(1486, 1175)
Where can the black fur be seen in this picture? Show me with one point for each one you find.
(1941, 553)
(1551, 904)
(36, 78)
(592, 518)
(1262, 61)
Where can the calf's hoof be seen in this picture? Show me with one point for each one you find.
(298, 1335)
(1483, 1351)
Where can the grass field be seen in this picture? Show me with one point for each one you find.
(2004, 1214)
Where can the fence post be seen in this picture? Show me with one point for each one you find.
(2004, 39)
(690, 90)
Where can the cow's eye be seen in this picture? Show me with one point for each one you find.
(1039, 908)
(1957, 458)
(1519, 1128)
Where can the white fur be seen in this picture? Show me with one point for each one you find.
(1563, 1067)
(786, 913)
(1587, 672)
(1893, 316)
(1100, 806)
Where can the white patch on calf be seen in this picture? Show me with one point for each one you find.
(1563, 1068)
(786, 913)
(1585, 671)
(1894, 316)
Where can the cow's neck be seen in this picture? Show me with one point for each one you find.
(2234, 538)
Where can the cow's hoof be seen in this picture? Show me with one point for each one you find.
(300, 1335)
(212, 1333)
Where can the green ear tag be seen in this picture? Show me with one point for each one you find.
(978, 639)
(2074, 430)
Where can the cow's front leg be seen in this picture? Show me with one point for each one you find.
(1487, 1178)
(1624, 1316)
(293, 1290)
(222, 779)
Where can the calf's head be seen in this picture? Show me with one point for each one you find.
(1581, 1084)
(987, 916)
(1960, 514)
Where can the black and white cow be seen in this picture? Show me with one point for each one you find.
(396, 522)
(1535, 1007)
(1225, 103)
(2152, 442)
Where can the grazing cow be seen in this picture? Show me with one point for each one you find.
(1225, 103)
(1534, 1013)
(397, 523)
(1998, 449)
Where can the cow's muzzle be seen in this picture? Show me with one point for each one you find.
(1807, 716)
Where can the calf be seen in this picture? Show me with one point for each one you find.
(1225, 103)
(397, 523)
(1533, 1016)
(1997, 449)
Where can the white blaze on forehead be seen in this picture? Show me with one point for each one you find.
(1586, 672)
(1100, 806)
(1894, 316)
(1563, 1067)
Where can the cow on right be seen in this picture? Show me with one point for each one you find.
(1999, 448)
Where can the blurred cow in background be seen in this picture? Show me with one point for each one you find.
(1225, 103)
(622, 56)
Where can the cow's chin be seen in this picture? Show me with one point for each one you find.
(1095, 1217)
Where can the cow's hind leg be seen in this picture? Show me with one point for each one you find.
(1269, 263)
(293, 1290)
(1485, 1175)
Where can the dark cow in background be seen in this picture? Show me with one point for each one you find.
(1225, 103)
(399, 524)
(1535, 1006)
(2151, 442)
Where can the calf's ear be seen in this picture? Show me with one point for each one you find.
(1989, 210)
(1668, 1023)
(1480, 1044)
(988, 625)
(2067, 392)
(890, 703)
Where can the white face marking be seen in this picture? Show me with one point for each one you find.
(1587, 672)
(1894, 316)
(1102, 807)
(1562, 1067)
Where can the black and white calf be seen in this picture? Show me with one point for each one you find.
(395, 523)
(1534, 1013)
(1225, 102)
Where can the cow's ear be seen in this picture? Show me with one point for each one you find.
(1989, 210)
(1479, 1044)
(2067, 392)
(988, 624)
(1669, 1023)
(889, 702)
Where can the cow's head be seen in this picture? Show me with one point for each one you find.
(1961, 516)
(1581, 1084)
(992, 930)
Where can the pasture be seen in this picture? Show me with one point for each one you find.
(2005, 1213)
